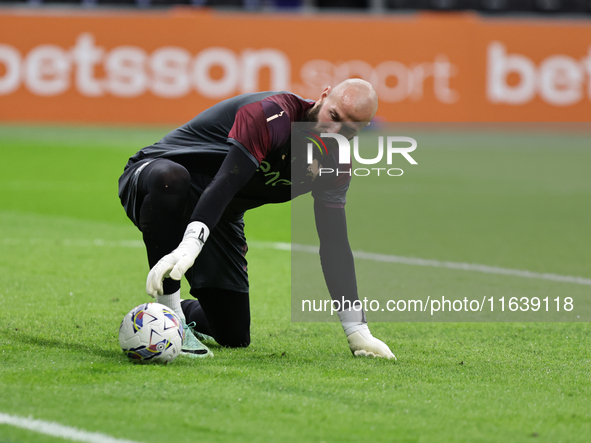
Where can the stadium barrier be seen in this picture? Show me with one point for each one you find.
(164, 67)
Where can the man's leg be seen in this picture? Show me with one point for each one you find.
(163, 193)
(163, 190)
(221, 314)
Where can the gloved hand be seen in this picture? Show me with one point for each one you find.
(175, 264)
(362, 343)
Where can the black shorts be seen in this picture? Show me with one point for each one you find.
(222, 262)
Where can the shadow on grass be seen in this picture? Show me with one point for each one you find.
(26, 338)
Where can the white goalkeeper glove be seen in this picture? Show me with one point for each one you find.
(361, 342)
(175, 264)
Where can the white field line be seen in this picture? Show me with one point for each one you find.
(360, 255)
(73, 242)
(57, 430)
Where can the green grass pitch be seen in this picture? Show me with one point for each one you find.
(71, 265)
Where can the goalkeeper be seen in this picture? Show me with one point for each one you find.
(188, 192)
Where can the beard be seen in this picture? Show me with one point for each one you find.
(312, 115)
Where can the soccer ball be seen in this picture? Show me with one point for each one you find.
(151, 332)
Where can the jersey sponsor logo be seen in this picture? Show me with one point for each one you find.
(274, 176)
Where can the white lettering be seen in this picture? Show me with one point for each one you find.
(47, 69)
(561, 80)
(86, 56)
(395, 169)
(419, 73)
(126, 74)
(218, 72)
(10, 58)
(252, 63)
(344, 148)
(352, 69)
(373, 161)
(401, 150)
(443, 71)
(587, 66)
(170, 67)
(399, 91)
(202, 80)
(365, 174)
(500, 65)
(316, 74)
(393, 80)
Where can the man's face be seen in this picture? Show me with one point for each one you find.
(335, 113)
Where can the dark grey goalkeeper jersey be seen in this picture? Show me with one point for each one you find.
(260, 125)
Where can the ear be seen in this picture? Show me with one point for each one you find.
(325, 94)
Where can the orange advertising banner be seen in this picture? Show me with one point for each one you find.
(165, 67)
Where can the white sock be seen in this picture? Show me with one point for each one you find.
(173, 301)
